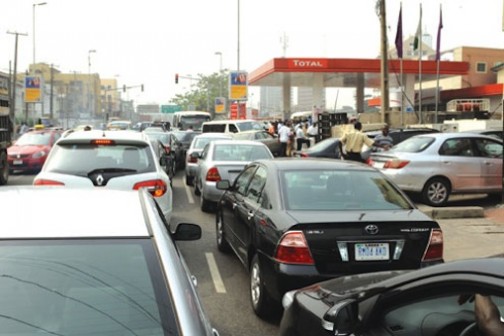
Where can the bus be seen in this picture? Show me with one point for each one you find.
(183, 119)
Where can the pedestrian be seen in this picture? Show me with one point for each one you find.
(301, 138)
(23, 129)
(190, 128)
(383, 142)
(283, 136)
(354, 142)
(313, 132)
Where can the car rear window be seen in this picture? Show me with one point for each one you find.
(84, 287)
(314, 190)
(231, 152)
(414, 144)
(81, 159)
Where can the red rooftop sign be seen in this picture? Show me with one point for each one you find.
(308, 63)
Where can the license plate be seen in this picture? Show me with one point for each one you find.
(378, 164)
(18, 162)
(371, 251)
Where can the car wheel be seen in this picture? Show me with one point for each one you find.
(222, 243)
(189, 180)
(4, 169)
(197, 190)
(205, 205)
(262, 303)
(436, 191)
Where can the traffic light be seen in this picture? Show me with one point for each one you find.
(124, 88)
(176, 78)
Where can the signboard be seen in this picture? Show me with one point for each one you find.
(33, 89)
(233, 111)
(220, 105)
(238, 110)
(170, 108)
(238, 83)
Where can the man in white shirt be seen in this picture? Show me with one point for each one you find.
(283, 136)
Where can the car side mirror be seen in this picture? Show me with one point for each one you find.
(223, 185)
(342, 319)
(187, 231)
(196, 155)
(162, 160)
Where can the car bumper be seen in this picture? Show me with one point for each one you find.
(210, 192)
(26, 165)
(406, 181)
(190, 169)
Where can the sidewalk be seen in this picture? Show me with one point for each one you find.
(495, 215)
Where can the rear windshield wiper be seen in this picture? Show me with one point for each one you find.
(112, 170)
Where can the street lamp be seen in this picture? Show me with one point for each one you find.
(33, 24)
(89, 79)
(218, 53)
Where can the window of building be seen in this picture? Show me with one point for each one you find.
(481, 67)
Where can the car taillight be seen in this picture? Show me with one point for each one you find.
(293, 249)
(395, 164)
(157, 188)
(369, 162)
(213, 175)
(303, 155)
(434, 250)
(192, 159)
(45, 182)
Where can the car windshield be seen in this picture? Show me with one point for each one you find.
(250, 126)
(83, 287)
(232, 152)
(313, 190)
(30, 139)
(414, 144)
(80, 159)
(193, 120)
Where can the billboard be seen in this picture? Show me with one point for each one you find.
(220, 105)
(33, 89)
(238, 82)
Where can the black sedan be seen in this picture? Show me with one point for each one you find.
(184, 139)
(456, 298)
(328, 148)
(295, 222)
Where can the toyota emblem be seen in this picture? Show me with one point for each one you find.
(371, 229)
(99, 180)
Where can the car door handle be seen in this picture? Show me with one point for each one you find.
(250, 215)
(194, 281)
(235, 205)
(488, 163)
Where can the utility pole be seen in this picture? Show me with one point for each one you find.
(51, 113)
(12, 102)
(381, 11)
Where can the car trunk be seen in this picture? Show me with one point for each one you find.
(366, 241)
(229, 170)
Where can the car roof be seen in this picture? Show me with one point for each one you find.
(229, 121)
(213, 135)
(99, 134)
(237, 142)
(314, 163)
(58, 212)
(450, 135)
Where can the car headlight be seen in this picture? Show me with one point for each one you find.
(288, 299)
(39, 154)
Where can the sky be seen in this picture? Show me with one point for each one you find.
(149, 41)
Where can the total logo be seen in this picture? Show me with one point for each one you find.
(309, 63)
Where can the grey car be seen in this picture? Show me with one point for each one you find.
(440, 164)
(224, 160)
(197, 145)
(262, 136)
(105, 265)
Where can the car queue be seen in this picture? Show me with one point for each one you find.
(277, 215)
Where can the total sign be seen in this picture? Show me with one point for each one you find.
(308, 63)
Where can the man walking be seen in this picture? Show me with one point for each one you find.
(384, 141)
(354, 141)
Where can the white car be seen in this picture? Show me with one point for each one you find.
(108, 159)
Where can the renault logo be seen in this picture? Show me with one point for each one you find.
(371, 229)
(99, 180)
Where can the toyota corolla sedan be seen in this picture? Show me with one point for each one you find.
(104, 263)
(224, 160)
(438, 165)
(30, 151)
(108, 160)
(461, 298)
(295, 222)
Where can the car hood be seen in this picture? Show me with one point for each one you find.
(26, 149)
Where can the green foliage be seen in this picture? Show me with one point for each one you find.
(203, 91)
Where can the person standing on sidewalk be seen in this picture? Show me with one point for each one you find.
(354, 141)
(283, 136)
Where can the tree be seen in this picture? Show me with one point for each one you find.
(204, 90)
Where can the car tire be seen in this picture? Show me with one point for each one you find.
(189, 180)
(436, 191)
(222, 243)
(4, 168)
(262, 303)
(205, 205)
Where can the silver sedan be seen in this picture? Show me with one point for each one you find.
(438, 165)
(224, 160)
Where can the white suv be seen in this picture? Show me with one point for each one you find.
(108, 159)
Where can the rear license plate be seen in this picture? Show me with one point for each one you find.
(378, 164)
(18, 162)
(371, 251)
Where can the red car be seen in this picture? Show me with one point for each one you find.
(30, 151)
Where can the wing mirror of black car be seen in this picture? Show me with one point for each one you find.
(187, 231)
(342, 318)
(162, 160)
(223, 185)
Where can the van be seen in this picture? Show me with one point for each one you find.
(231, 126)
